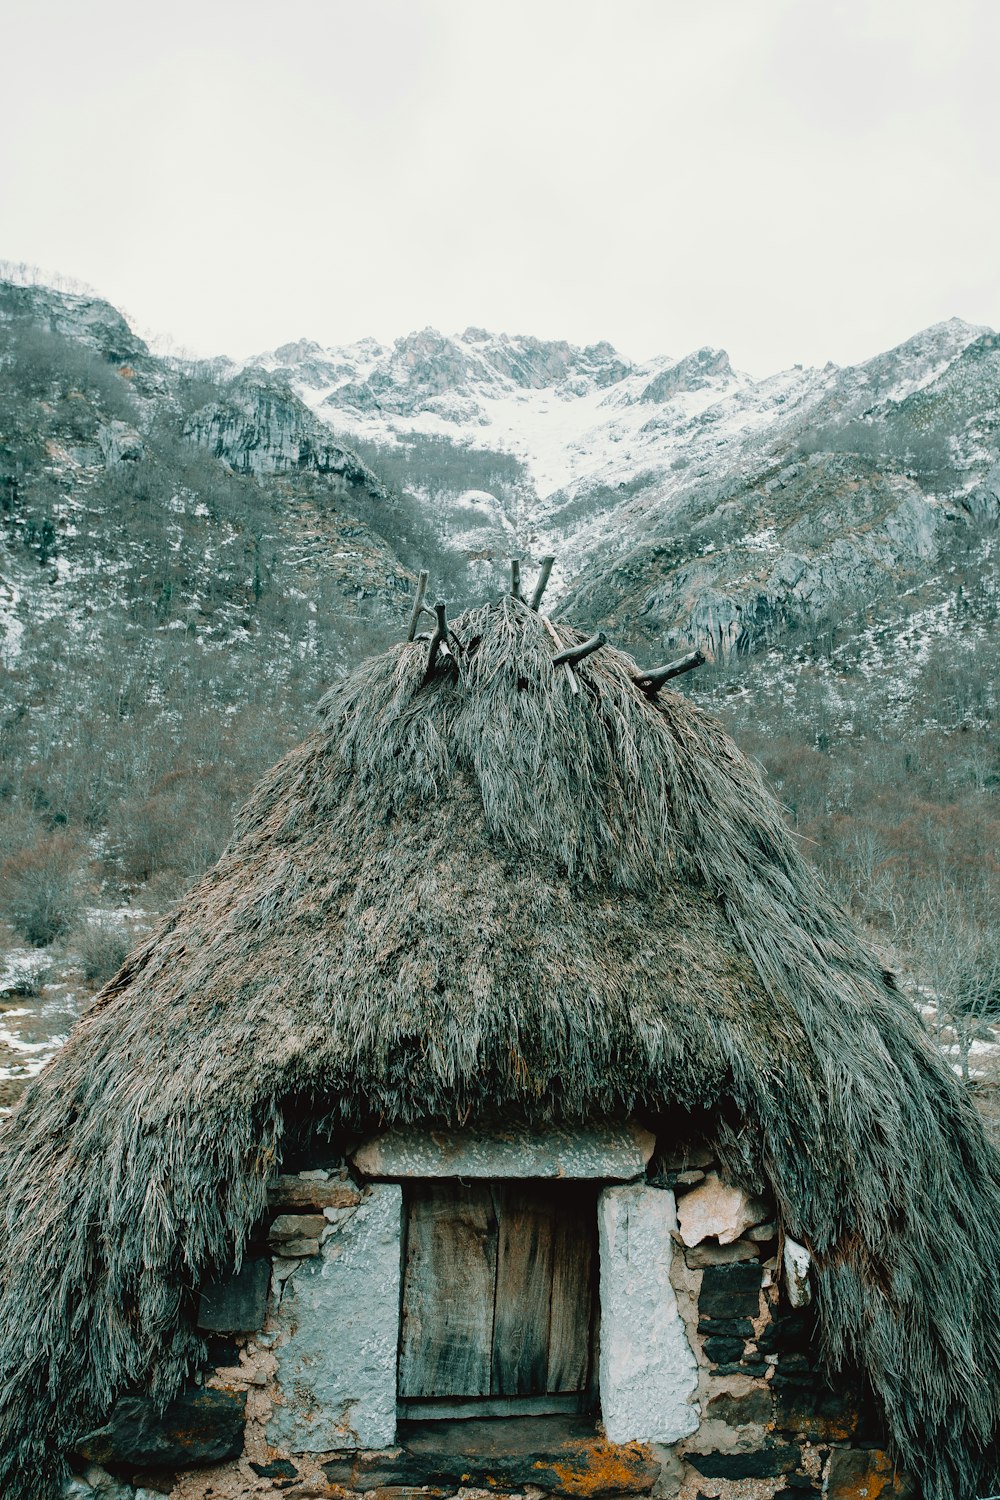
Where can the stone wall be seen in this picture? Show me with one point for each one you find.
(709, 1385)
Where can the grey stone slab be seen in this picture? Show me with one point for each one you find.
(616, 1152)
(648, 1372)
(561, 1456)
(797, 1262)
(337, 1329)
(236, 1304)
(312, 1190)
(199, 1427)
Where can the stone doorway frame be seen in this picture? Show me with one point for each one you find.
(647, 1371)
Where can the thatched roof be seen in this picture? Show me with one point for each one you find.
(484, 893)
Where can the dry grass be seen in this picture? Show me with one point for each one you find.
(484, 894)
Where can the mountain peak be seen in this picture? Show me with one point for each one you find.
(692, 373)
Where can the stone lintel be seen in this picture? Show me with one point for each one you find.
(615, 1152)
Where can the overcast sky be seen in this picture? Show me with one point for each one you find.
(794, 180)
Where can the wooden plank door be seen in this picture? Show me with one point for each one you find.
(498, 1291)
(523, 1291)
(448, 1292)
(574, 1291)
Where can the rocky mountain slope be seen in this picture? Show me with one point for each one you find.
(686, 503)
(184, 566)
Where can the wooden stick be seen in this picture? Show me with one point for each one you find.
(552, 632)
(651, 682)
(515, 577)
(543, 578)
(573, 655)
(439, 638)
(418, 603)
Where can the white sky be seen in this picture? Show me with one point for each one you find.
(794, 180)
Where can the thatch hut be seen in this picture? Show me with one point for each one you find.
(511, 977)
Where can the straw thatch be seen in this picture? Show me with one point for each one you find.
(483, 893)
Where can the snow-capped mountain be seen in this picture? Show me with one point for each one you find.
(683, 499)
(559, 409)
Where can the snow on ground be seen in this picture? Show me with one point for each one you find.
(11, 628)
(36, 1013)
(983, 1048)
(41, 997)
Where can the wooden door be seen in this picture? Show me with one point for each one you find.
(498, 1295)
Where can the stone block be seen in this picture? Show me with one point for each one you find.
(296, 1227)
(236, 1304)
(298, 1249)
(717, 1210)
(726, 1328)
(867, 1474)
(797, 1261)
(730, 1291)
(648, 1373)
(760, 1463)
(762, 1234)
(294, 1194)
(688, 1156)
(744, 1408)
(562, 1456)
(720, 1351)
(814, 1411)
(278, 1468)
(338, 1329)
(711, 1254)
(794, 1368)
(617, 1152)
(293, 1236)
(789, 1332)
(103, 1486)
(200, 1427)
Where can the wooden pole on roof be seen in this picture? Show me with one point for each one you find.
(573, 655)
(515, 577)
(418, 603)
(439, 638)
(652, 681)
(543, 578)
(555, 636)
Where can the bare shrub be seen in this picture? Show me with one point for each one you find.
(182, 825)
(39, 888)
(23, 979)
(103, 946)
(956, 944)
